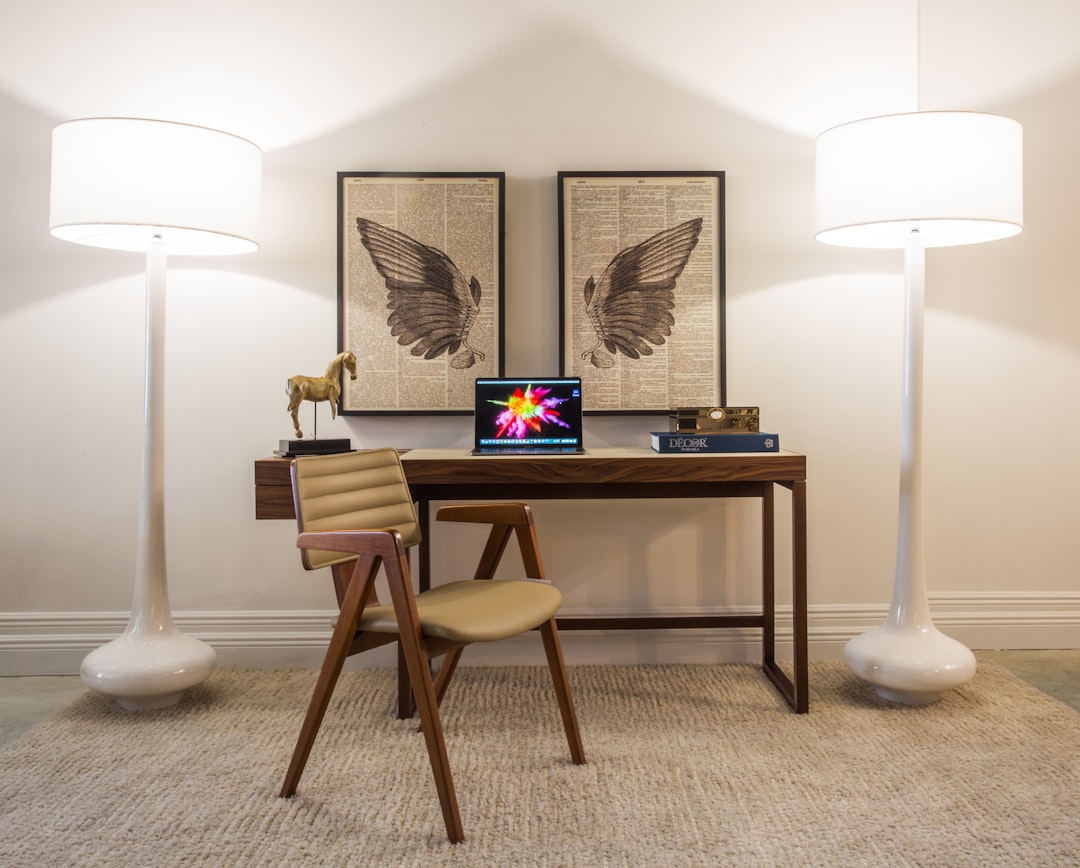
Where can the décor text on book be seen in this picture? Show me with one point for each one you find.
(734, 441)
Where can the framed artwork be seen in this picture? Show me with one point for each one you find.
(420, 288)
(641, 283)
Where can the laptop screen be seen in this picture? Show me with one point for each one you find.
(540, 414)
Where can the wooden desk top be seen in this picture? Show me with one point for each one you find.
(616, 467)
(600, 465)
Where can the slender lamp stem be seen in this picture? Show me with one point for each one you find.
(910, 607)
(150, 611)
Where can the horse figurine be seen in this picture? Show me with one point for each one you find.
(324, 388)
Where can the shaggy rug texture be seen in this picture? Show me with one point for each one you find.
(687, 765)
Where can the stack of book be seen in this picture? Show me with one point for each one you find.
(723, 441)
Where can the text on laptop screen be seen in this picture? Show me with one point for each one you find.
(528, 412)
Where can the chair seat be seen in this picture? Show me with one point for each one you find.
(478, 610)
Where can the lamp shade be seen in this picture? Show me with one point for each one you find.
(956, 177)
(118, 182)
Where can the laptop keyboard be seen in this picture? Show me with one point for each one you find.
(526, 450)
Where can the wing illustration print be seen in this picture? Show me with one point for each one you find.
(630, 307)
(431, 306)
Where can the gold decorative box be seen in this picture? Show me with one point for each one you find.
(700, 420)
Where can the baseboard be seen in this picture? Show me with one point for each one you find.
(54, 643)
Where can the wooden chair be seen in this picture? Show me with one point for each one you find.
(356, 515)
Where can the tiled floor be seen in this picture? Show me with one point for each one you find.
(26, 700)
(1053, 672)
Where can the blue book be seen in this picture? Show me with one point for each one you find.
(734, 441)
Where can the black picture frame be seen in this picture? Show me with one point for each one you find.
(420, 288)
(642, 289)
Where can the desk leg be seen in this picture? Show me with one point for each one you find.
(799, 599)
(406, 703)
(797, 692)
(423, 517)
(768, 575)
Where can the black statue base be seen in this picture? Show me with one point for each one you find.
(293, 448)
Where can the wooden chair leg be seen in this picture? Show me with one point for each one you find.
(418, 664)
(320, 700)
(427, 707)
(406, 705)
(559, 678)
(446, 671)
(336, 652)
(406, 702)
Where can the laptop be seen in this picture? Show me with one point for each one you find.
(527, 416)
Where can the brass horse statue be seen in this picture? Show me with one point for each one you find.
(324, 388)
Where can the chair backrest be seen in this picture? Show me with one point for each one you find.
(361, 490)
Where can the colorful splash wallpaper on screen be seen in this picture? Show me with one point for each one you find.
(528, 412)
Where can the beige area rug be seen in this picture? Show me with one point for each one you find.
(688, 765)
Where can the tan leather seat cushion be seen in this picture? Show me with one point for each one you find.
(481, 610)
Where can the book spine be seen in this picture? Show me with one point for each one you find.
(734, 442)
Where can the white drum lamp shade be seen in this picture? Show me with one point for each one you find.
(956, 177)
(118, 182)
(157, 188)
(912, 181)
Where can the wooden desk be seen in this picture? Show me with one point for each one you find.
(607, 473)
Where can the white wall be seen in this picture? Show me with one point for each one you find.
(529, 88)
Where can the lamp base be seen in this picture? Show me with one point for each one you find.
(913, 666)
(145, 671)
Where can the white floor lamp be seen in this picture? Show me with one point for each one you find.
(912, 181)
(157, 188)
